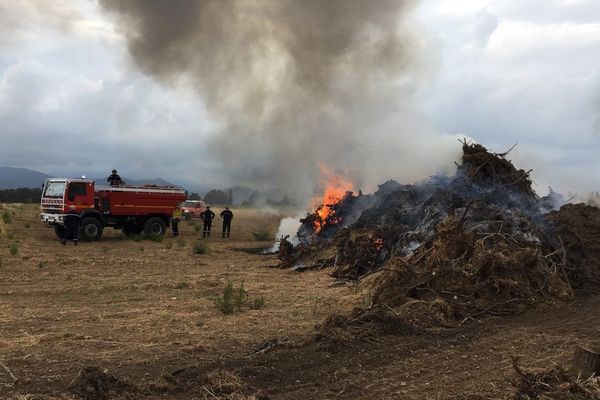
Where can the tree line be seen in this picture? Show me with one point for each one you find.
(214, 196)
(21, 195)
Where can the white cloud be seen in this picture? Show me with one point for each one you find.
(533, 81)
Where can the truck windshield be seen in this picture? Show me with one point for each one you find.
(189, 204)
(55, 189)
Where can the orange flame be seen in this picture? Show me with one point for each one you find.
(336, 187)
(377, 243)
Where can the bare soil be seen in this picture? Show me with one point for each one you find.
(142, 314)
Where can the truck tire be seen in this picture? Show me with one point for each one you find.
(155, 226)
(91, 229)
(59, 230)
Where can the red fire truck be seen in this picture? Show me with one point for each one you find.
(134, 209)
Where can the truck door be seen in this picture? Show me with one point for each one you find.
(81, 195)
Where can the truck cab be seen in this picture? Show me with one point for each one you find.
(59, 195)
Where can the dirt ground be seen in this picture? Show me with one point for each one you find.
(145, 311)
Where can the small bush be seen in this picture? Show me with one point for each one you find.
(105, 249)
(41, 265)
(153, 237)
(235, 299)
(10, 235)
(181, 242)
(141, 249)
(262, 235)
(257, 303)
(27, 225)
(240, 297)
(138, 237)
(182, 285)
(14, 249)
(200, 248)
(197, 227)
(169, 245)
(226, 302)
(6, 217)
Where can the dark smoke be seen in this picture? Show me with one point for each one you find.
(292, 83)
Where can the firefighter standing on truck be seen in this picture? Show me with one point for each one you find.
(114, 179)
(72, 223)
(207, 217)
(227, 216)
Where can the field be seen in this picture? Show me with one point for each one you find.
(146, 312)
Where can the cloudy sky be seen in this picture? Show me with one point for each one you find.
(72, 101)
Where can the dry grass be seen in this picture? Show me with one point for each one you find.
(107, 302)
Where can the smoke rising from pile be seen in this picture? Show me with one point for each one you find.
(294, 83)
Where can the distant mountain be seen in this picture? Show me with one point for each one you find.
(14, 178)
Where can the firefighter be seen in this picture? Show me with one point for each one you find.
(207, 217)
(114, 179)
(227, 216)
(72, 223)
(176, 217)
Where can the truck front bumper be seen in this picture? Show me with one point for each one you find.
(52, 219)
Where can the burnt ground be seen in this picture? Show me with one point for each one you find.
(144, 309)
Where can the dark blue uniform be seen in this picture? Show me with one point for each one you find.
(72, 223)
(227, 216)
(207, 217)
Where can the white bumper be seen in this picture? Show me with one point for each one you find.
(52, 219)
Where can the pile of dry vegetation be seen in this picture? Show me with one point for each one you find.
(449, 249)
(554, 383)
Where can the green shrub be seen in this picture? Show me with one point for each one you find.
(14, 249)
(226, 302)
(6, 217)
(240, 297)
(197, 227)
(153, 237)
(169, 245)
(235, 299)
(182, 285)
(262, 234)
(200, 248)
(257, 303)
(138, 237)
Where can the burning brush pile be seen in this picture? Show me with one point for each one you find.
(451, 248)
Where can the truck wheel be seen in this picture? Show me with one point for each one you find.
(59, 230)
(155, 226)
(91, 229)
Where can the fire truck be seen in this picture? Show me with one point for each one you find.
(133, 209)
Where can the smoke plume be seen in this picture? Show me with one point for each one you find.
(293, 83)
